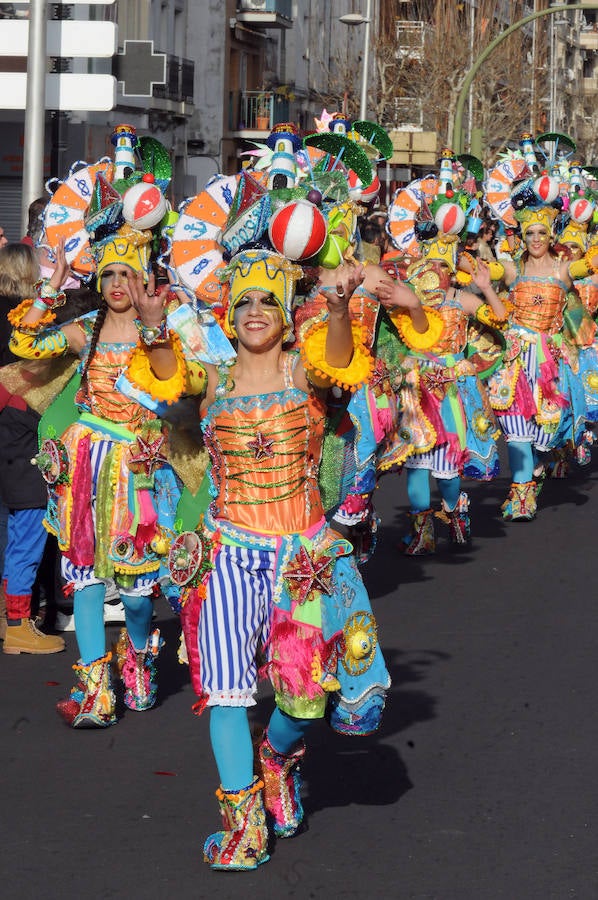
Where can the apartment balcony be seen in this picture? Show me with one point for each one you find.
(588, 39)
(253, 114)
(411, 38)
(589, 85)
(265, 13)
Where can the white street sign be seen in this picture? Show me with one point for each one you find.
(98, 39)
(63, 92)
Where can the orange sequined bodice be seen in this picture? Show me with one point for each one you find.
(98, 394)
(588, 292)
(454, 335)
(363, 308)
(538, 303)
(265, 451)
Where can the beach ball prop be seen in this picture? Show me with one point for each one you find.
(450, 218)
(144, 204)
(297, 230)
(357, 191)
(546, 188)
(581, 210)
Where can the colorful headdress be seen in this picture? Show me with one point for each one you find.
(575, 233)
(430, 215)
(110, 211)
(261, 270)
(442, 249)
(527, 217)
(126, 248)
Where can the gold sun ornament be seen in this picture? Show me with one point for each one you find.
(360, 636)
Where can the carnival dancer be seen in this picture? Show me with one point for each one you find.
(112, 494)
(270, 576)
(367, 418)
(446, 418)
(576, 241)
(538, 400)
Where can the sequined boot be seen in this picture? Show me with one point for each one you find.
(421, 540)
(243, 844)
(458, 520)
(521, 504)
(138, 670)
(282, 787)
(91, 702)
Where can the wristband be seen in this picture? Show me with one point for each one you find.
(47, 295)
(153, 335)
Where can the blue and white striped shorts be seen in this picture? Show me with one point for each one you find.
(234, 621)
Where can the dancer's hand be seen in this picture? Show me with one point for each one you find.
(348, 279)
(148, 305)
(61, 268)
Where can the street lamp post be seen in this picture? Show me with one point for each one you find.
(359, 19)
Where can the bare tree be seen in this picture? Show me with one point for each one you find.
(422, 61)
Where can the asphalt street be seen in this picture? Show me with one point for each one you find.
(480, 785)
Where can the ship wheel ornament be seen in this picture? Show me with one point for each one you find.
(185, 558)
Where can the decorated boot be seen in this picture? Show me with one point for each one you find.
(91, 702)
(282, 786)
(458, 521)
(138, 670)
(421, 540)
(521, 504)
(243, 844)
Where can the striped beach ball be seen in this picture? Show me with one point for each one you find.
(297, 230)
(450, 218)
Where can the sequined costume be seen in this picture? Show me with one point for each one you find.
(112, 494)
(535, 394)
(587, 290)
(446, 418)
(281, 577)
(364, 422)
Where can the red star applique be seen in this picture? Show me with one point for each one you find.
(261, 446)
(537, 299)
(309, 573)
(435, 381)
(149, 455)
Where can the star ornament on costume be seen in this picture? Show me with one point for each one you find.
(148, 456)
(307, 574)
(435, 381)
(261, 446)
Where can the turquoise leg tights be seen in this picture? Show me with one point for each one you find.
(232, 746)
(138, 616)
(521, 461)
(88, 607)
(450, 488)
(285, 732)
(418, 490)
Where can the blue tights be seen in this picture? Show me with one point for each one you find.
(232, 745)
(88, 604)
(138, 616)
(418, 490)
(88, 607)
(522, 460)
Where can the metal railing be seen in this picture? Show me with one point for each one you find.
(256, 110)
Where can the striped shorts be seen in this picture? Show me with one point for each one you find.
(234, 622)
(516, 427)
